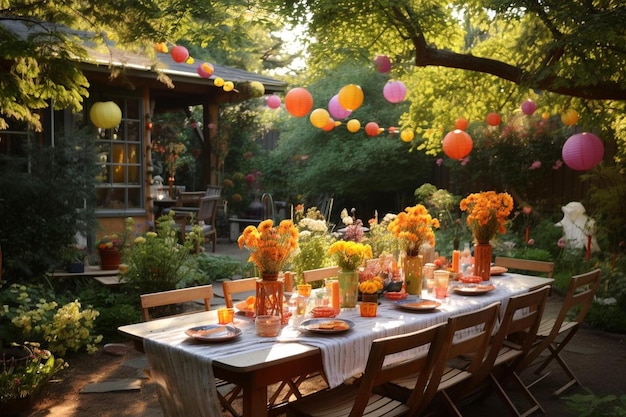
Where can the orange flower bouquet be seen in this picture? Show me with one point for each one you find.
(487, 213)
(270, 246)
(413, 227)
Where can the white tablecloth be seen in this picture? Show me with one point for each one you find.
(183, 370)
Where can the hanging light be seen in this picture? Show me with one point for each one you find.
(319, 118)
(298, 102)
(105, 115)
(457, 144)
(350, 97)
(394, 91)
(582, 151)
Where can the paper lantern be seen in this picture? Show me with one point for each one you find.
(353, 125)
(298, 102)
(179, 53)
(228, 86)
(161, 47)
(335, 108)
(319, 118)
(569, 117)
(407, 135)
(350, 97)
(382, 64)
(218, 82)
(273, 101)
(205, 70)
(392, 129)
(545, 115)
(394, 91)
(493, 119)
(257, 89)
(582, 151)
(457, 144)
(529, 107)
(330, 125)
(105, 115)
(461, 123)
(190, 60)
(372, 129)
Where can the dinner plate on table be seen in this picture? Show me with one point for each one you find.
(473, 289)
(326, 325)
(214, 333)
(418, 305)
(498, 270)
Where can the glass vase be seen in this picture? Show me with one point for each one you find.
(413, 278)
(348, 288)
(482, 260)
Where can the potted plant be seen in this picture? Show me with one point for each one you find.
(24, 370)
(109, 248)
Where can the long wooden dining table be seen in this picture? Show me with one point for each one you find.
(186, 369)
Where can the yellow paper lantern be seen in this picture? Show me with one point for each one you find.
(353, 125)
(350, 97)
(319, 118)
(228, 86)
(407, 135)
(257, 89)
(218, 82)
(105, 115)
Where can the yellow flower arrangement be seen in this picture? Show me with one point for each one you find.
(350, 255)
(487, 213)
(371, 285)
(413, 227)
(270, 246)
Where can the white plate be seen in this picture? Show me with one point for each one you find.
(474, 289)
(418, 305)
(322, 325)
(214, 333)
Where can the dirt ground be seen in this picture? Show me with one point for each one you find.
(597, 358)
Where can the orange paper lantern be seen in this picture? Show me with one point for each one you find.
(353, 125)
(493, 119)
(569, 117)
(461, 123)
(298, 102)
(350, 97)
(330, 125)
(457, 144)
(319, 118)
(372, 129)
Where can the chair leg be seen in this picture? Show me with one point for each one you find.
(523, 390)
(452, 408)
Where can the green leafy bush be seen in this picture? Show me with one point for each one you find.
(218, 268)
(590, 405)
(30, 313)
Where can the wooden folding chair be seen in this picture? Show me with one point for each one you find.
(546, 268)
(164, 298)
(319, 274)
(359, 399)
(509, 347)
(205, 216)
(554, 333)
(467, 335)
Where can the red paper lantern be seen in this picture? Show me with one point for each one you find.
(394, 91)
(461, 123)
(350, 97)
(582, 151)
(372, 129)
(205, 70)
(273, 101)
(179, 53)
(330, 125)
(493, 119)
(298, 102)
(335, 108)
(457, 144)
(529, 107)
(382, 64)
(319, 118)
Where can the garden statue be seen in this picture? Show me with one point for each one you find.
(578, 227)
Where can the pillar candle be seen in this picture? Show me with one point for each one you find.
(456, 256)
(334, 295)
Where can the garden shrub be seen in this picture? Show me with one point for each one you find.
(218, 268)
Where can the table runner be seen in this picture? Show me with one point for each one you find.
(182, 368)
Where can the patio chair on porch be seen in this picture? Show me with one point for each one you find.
(206, 215)
(526, 265)
(555, 333)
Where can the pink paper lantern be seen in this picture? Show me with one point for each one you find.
(205, 70)
(582, 151)
(273, 101)
(382, 64)
(529, 107)
(394, 91)
(336, 111)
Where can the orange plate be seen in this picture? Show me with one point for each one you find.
(474, 290)
(397, 295)
(418, 305)
(498, 270)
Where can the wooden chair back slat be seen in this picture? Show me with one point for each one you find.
(164, 298)
(237, 286)
(526, 265)
(319, 274)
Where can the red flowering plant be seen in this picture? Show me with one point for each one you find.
(110, 242)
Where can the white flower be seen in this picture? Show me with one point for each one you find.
(347, 220)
